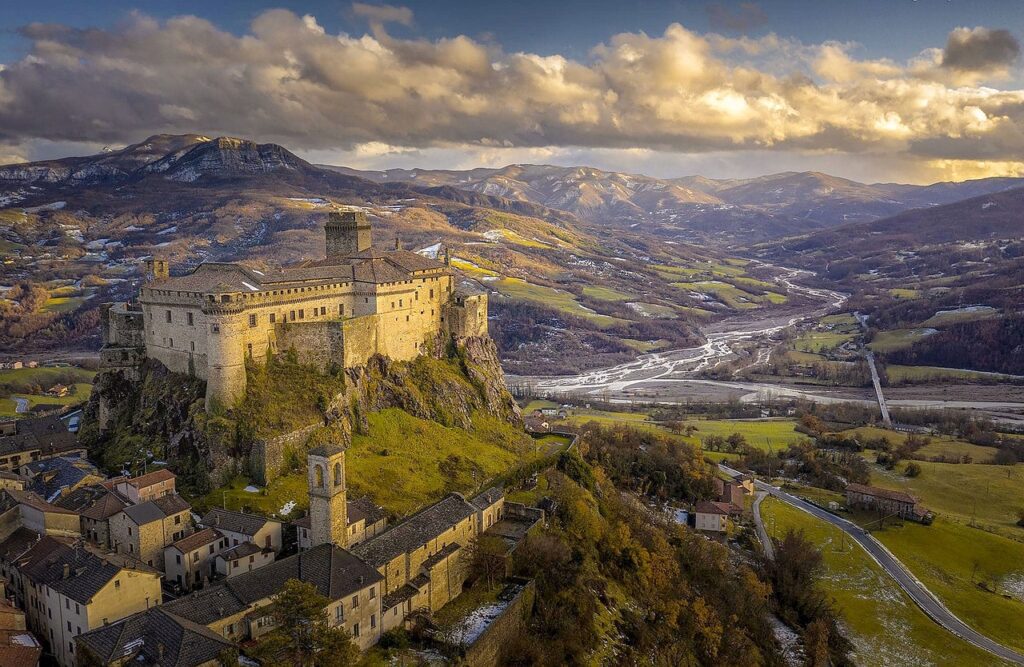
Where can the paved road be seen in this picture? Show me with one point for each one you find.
(762, 534)
(914, 588)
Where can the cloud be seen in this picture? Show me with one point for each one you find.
(980, 50)
(744, 18)
(381, 14)
(290, 81)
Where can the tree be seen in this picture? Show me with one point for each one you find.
(486, 556)
(303, 636)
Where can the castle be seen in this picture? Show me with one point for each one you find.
(356, 302)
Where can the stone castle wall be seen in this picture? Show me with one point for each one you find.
(267, 458)
(486, 651)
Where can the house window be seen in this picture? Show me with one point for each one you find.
(355, 630)
(129, 531)
(373, 620)
(177, 520)
(252, 320)
(339, 612)
(177, 558)
(355, 601)
(373, 592)
(117, 583)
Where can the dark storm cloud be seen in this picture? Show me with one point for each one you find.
(980, 49)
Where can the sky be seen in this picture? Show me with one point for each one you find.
(894, 90)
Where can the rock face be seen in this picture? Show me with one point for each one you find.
(161, 415)
(429, 390)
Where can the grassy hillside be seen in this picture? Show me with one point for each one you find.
(884, 624)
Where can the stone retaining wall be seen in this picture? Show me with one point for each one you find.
(268, 456)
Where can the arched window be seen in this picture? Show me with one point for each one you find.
(339, 475)
(319, 477)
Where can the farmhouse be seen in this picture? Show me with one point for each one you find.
(356, 302)
(895, 503)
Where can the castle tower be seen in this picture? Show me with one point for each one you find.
(328, 499)
(225, 357)
(156, 268)
(347, 233)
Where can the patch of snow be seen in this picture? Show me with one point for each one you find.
(287, 508)
(987, 205)
(132, 228)
(494, 235)
(251, 489)
(169, 230)
(252, 288)
(478, 621)
(430, 251)
(52, 206)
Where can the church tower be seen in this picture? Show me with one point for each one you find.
(347, 233)
(328, 499)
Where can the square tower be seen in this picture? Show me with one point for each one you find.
(328, 498)
(347, 233)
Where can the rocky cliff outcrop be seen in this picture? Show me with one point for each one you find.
(161, 415)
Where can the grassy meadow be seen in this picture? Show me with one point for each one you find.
(885, 626)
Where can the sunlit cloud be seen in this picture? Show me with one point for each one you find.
(377, 97)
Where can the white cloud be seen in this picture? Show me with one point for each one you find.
(376, 96)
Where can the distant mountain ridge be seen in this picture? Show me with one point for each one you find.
(783, 204)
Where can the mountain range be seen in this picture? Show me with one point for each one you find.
(730, 210)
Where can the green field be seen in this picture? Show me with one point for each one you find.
(730, 295)
(924, 374)
(903, 293)
(606, 293)
(885, 626)
(939, 445)
(954, 316)
(988, 495)
(45, 378)
(954, 561)
(821, 341)
(517, 288)
(896, 339)
(762, 433)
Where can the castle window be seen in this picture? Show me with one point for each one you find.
(319, 477)
(323, 310)
(188, 316)
(341, 309)
(273, 318)
(168, 316)
(400, 303)
(292, 317)
(170, 342)
(252, 320)
(302, 313)
(431, 294)
(339, 475)
(250, 350)
(192, 345)
(392, 305)
(406, 318)
(214, 328)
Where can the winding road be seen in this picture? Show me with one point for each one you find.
(914, 588)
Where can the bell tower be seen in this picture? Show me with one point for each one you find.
(347, 233)
(328, 497)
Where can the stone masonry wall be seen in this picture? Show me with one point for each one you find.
(268, 456)
(316, 343)
(487, 649)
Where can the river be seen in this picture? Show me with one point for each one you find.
(673, 376)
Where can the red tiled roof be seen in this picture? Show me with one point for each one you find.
(151, 478)
(711, 507)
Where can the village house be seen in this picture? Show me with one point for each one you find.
(94, 505)
(71, 589)
(144, 530)
(190, 561)
(52, 478)
(32, 439)
(712, 516)
(892, 503)
(150, 486)
(730, 492)
(18, 646)
(239, 527)
(26, 509)
(152, 637)
(243, 558)
(238, 608)
(10, 480)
